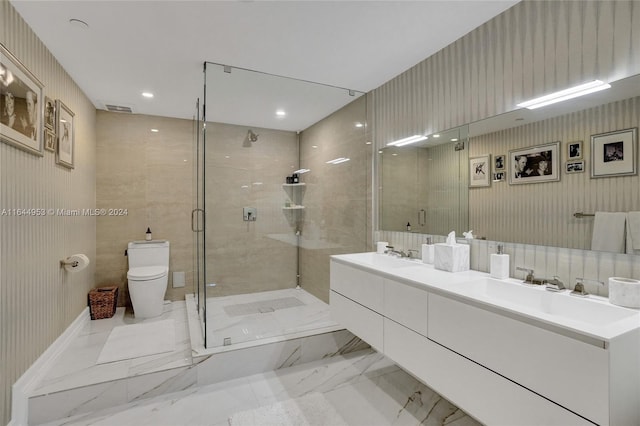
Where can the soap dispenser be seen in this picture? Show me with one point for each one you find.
(428, 251)
(499, 267)
(148, 235)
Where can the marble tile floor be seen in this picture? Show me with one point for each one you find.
(365, 388)
(76, 366)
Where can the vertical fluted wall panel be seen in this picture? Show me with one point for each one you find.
(38, 300)
(533, 48)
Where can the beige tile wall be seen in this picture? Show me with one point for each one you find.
(246, 257)
(149, 175)
(337, 198)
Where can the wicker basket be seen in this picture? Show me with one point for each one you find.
(103, 302)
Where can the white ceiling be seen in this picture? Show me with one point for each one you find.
(160, 46)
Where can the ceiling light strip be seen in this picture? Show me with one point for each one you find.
(407, 141)
(338, 160)
(563, 95)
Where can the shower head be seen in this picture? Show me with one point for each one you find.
(253, 137)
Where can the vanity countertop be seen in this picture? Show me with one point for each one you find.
(591, 318)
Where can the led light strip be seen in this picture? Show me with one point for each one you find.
(407, 141)
(563, 95)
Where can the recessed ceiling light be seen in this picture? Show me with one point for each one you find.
(314, 146)
(367, 143)
(227, 156)
(147, 94)
(454, 139)
(155, 130)
(280, 113)
(359, 125)
(436, 135)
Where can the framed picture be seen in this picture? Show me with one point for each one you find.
(498, 162)
(65, 132)
(480, 171)
(614, 153)
(49, 115)
(49, 140)
(535, 164)
(575, 166)
(498, 177)
(21, 105)
(574, 150)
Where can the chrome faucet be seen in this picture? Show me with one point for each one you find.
(411, 254)
(554, 284)
(530, 279)
(391, 251)
(579, 290)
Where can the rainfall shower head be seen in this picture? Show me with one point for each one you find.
(253, 137)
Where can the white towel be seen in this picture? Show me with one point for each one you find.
(608, 232)
(633, 232)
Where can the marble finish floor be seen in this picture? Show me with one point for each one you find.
(76, 366)
(244, 318)
(364, 388)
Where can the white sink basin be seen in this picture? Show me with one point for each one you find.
(382, 260)
(538, 300)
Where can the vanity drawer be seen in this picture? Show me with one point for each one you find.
(363, 287)
(406, 304)
(571, 372)
(361, 321)
(488, 397)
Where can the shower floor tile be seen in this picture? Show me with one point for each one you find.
(267, 314)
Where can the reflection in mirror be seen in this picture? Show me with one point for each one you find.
(425, 185)
(540, 213)
(543, 213)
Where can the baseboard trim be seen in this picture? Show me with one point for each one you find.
(25, 384)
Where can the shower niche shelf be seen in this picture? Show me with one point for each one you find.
(295, 193)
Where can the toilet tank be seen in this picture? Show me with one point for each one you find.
(148, 253)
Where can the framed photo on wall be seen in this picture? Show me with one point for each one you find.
(614, 153)
(49, 114)
(480, 171)
(574, 150)
(65, 132)
(535, 164)
(21, 105)
(498, 162)
(49, 140)
(576, 166)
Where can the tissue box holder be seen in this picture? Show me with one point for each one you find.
(103, 302)
(451, 257)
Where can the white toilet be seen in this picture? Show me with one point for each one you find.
(148, 276)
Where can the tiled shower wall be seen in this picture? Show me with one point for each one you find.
(568, 264)
(38, 299)
(337, 198)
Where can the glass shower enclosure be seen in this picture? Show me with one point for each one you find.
(283, 181)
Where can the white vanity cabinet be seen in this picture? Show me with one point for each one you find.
(356, 302)
(499, 365)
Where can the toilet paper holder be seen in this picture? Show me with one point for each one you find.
(75, 262)
(66, 262)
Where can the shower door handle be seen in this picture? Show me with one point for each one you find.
(194, 212)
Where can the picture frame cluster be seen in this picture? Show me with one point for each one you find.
(612, 154)
(30, 120)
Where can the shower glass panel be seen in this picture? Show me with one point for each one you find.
(265, 235)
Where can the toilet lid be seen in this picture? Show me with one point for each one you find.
(147, 272)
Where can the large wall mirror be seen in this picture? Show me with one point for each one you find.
(424, 185)
(541, 211)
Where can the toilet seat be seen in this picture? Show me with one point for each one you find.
(146, 273)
